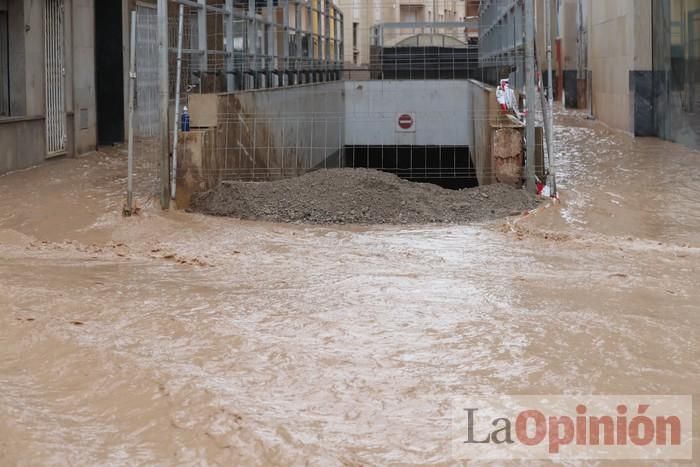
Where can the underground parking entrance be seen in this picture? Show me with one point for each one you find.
(372, 185)
(368, 152)
(446, 166)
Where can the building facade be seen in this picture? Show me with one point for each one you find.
(47, 81)
(634, 64)
(64, 64)
(644, 62)
(571, 56)
(362, 15)
(620, 61)
(502, 39)
(676, 70)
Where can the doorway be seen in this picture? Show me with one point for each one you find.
(109, 72)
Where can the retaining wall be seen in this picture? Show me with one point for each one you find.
(22, 143)
(495, 139)
(260, 135)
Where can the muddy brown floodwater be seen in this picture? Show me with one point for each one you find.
(180, 339)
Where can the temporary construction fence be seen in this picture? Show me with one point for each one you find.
(220, 46)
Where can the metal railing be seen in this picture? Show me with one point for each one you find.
(251, 44)
(216, 46)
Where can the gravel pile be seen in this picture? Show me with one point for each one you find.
(359, 196)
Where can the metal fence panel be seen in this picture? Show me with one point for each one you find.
(55, 78)
(147, 117)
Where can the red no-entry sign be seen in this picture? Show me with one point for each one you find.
(405, 121)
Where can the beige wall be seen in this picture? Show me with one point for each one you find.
(568, 34)
(619, 42)
(540, 19)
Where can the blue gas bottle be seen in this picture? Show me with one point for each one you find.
(185, 120)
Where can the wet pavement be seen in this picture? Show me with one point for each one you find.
(172, 338)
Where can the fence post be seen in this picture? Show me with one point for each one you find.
(550, 92)
(530, 93)
(129, 210)
(162, 12)
(178, 80)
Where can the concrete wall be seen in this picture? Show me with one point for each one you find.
(495, 139)
(304, 123)
(620, 58)
(260, 135)
(26, 55)
(16, 58)
(441, 109)
(34, 57)
(484, 104)
(20, 144)
(83, 76)
(568, 34)
(567, 63)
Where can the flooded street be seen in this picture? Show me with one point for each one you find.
(180, 339)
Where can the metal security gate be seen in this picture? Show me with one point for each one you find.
(55, 78)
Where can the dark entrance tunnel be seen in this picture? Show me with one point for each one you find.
(447, 166)
(109, 72)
